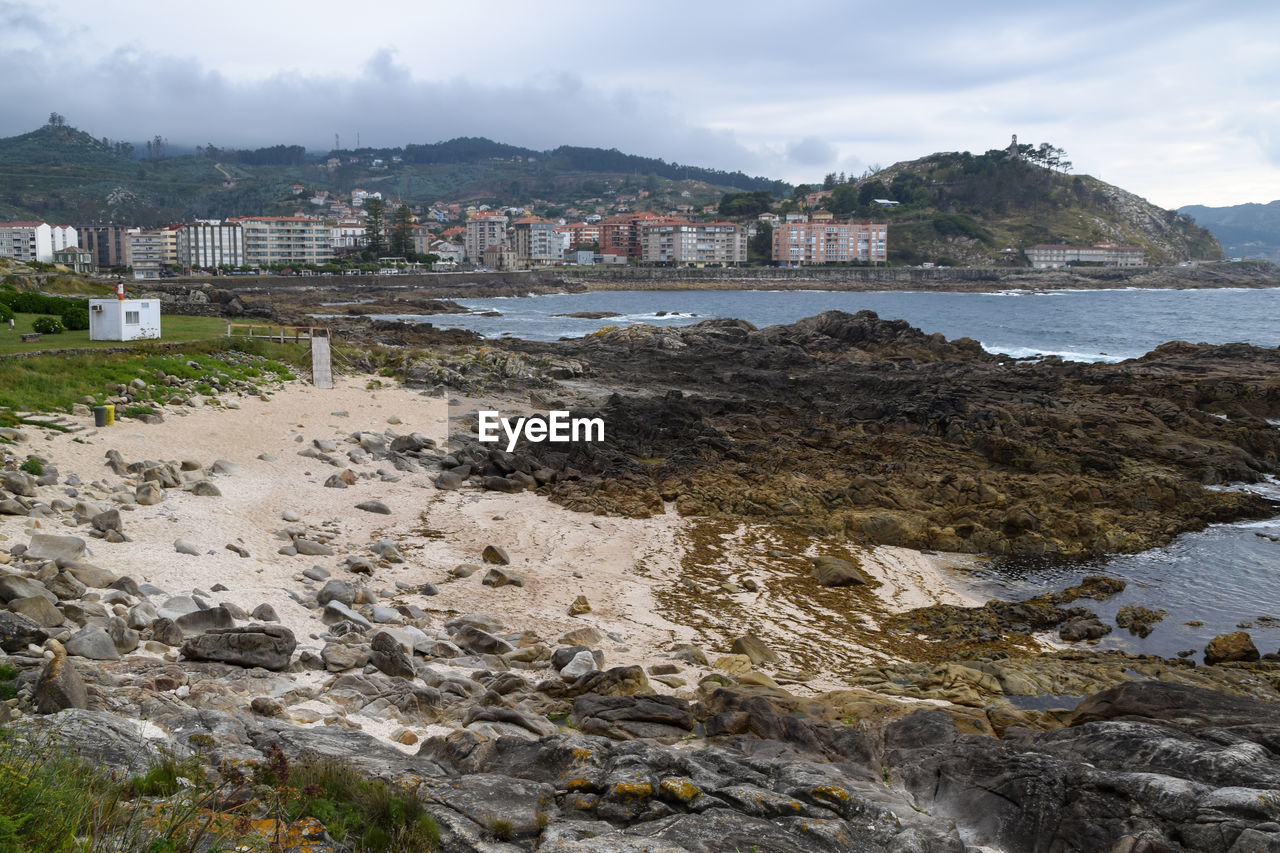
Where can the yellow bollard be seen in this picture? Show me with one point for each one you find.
(111, 413)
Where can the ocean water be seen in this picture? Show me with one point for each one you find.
(1225, 576)
(1094, 325)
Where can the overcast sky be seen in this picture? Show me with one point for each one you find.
(1176, 101)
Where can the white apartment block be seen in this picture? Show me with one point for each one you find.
(1052, 256)
(675, 241)
(35, 241)
(147, 252)
(284, 240)
(537, 243)
(484, 230)
(210, 243)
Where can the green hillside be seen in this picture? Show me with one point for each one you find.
(961, 208)
(1245, 230)
(64, 175)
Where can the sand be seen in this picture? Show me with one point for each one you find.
(624, 567)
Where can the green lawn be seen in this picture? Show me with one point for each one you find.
(174, 328)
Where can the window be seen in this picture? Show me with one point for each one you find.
(131, 318)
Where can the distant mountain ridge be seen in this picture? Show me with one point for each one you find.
(1245, 230)
(64, 174)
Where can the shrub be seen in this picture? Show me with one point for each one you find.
(6, 313)
(47, 325)
(76, 319)
(32, 466)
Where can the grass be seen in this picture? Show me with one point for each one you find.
(174, 328)
(51, 802)
(56, 382)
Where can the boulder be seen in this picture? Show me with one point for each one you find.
(833, 571)
(59, 686)
(267, 646)
(16, 586)
(264, 613)
(495, 554)
(502, 577)
(18, 631)
(755, 649)
(579, 606)
(376, 507)
(93, 642)
(581, 664)
(310, 548)
(186, 546)
(39, 608)
(336, 590)
(148, 494)
(1225, 648)
(200, 621)
(388, 655)
(46, 546)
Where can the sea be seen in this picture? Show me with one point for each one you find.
(1226, 577)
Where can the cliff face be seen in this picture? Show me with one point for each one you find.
(962, 209)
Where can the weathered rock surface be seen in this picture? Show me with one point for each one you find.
(267, 646)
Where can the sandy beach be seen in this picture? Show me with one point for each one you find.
(624, 567)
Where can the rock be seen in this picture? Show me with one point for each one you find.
(45, 546)
(264, 613)
(38, 608)
(336, 611)
(336, 590)
(581, 664)
(267, 646)
(335, 481)
(16, 586)
(388, 655)
(148, 494)
(733, 664)
(309, 548)
(579, 606)
(833, 571)
(316, 573)
(205, 489)
(496, 555)
(66, 587)
(481, 642)
(1139, 620)
(502, 577)
(690, 654)
(125, 638)
(464, 570)
(178, 605)
(236, 549)
(108, 520)
(166, 631)
(755, 650)
(339, 657)
(142, 615)
(200, 621)
(585, 636)
(222, 466)
(448, 481)
(59, 686)
(1236, 646)
(1084, 627)
(18, 631)
(93, 642)
(92, 576)
(265, 706)
(19, 483)
(377, 507)
(186, 546)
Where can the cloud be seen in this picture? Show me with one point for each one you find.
(812, 152)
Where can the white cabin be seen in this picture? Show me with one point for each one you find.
(124, 319)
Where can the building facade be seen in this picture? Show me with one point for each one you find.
(537, 243)
(484, 230)
(683, 243)
(75, 259)
(147, 252)
(284, 240)
(802, 242)
(35, 241)
(1051, 256)
(620, 235)
(210, 243)
(109, 244)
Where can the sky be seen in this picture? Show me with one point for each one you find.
(1178, 102)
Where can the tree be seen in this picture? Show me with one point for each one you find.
(829, 182)
(402, 232)
(760, 247)
(57, 120)
(375, 226)
(801, 191)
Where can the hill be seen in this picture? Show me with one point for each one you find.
(65, 175)
(1245, 230)
(962, 208)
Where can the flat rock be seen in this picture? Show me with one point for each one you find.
(47, 546)
(267, 646)
(186, 546)
(377, 507)
(502, 577)
(18, 631)
(833, 571)
(93, 642)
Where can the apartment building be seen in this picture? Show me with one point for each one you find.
(582, 233)
(147, 250)
(35, 241)
(284, 240)
(620, 235)
(801, 241)
(109, 244)
(1051, 256)
(209, 243)
(484, 230)
(537, 243)
(683, 243)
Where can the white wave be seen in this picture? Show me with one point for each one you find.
(1066, 355)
